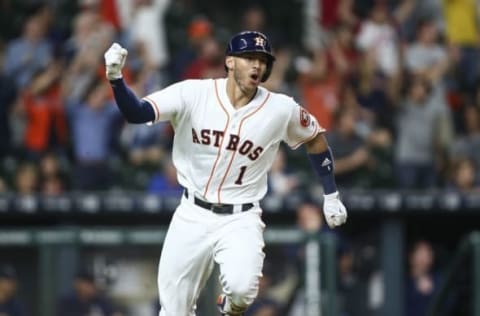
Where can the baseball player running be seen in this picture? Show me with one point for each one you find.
(227, 132)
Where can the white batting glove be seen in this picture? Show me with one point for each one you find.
(115, 58)
(334, 210)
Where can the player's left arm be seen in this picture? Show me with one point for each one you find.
(321, 158)
(303, 128)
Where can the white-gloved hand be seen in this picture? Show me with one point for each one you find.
(334, 210)
(115, 58)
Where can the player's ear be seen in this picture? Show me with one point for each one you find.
(229, 62)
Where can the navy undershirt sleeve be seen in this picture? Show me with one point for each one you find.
(133, 109)
(323, 165)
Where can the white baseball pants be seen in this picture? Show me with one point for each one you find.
(196, 239)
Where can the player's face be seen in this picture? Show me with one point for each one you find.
(248, 70)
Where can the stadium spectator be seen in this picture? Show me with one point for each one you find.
(165, 182)
(427, 58)
(46, 125)
(431, 10)
(84, 52)
(86, 299)
(199, 30)
(462, 33)
(464, 176)
(322, 76)
(422, 281)
(209, 62)
(94, 124)
(10, 305)
(467, 144)
(417, 129)
(147, 29)
(29, 53)
(84, 24)
(352, 154)
(376, 136)
(145, 145)
(352, 289)
(53, 177)
(372, 93)
(26, 179)
(254, 18)
(360, 48)
(52, 186)
(378, 39)
(281, 182)
(322, 16)
(141, 27)
(318, 86)
(343, 54)
(334, 13)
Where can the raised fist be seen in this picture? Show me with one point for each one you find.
(115, 58)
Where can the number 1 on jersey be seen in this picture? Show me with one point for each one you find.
(240, 176)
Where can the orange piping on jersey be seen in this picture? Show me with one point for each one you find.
(221, 143)
(315, 133)
(238, 133)
(155, 108)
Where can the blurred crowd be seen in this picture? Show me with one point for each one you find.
(395, 83)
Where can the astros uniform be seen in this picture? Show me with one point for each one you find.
(222, 156)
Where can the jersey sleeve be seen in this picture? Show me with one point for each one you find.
(302, 127)
(169, 102)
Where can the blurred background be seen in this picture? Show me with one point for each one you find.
(85, 199)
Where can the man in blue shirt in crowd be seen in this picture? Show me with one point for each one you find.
(9, 304)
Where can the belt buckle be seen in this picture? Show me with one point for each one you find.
(218, 208)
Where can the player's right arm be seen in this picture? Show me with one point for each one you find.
(133, 109)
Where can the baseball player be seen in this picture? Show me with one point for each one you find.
(227, 132)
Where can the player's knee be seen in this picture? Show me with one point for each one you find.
(242, 290)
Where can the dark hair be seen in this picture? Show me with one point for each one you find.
(412, 79)
(423, 21)
(91, 87)
(8, 272)
(85, 275)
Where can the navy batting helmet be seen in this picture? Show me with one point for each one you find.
(252, 42)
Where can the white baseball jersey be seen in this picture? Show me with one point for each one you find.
(221, 153)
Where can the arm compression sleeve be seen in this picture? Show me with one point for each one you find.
(323, 165)
(133, 109)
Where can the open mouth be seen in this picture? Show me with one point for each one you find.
(254, 77)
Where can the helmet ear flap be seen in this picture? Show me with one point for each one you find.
(268, 71)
